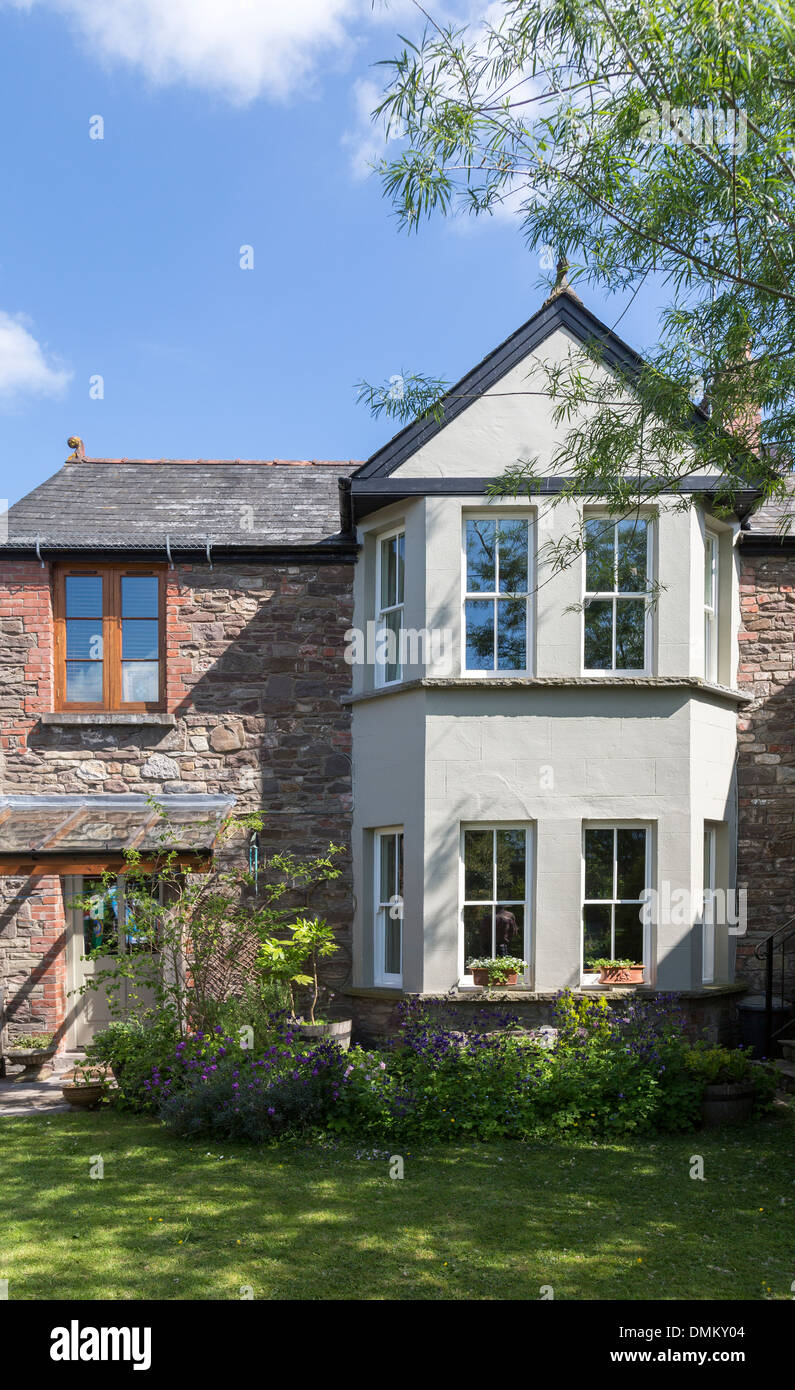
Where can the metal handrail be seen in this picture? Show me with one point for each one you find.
(763, 945)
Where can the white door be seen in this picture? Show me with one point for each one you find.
(109, 923)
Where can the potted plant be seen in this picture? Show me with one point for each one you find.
(498, 970)
(729, 1076)
(311, 940)
(617, 972)
(85, 1085)
(34, 1052)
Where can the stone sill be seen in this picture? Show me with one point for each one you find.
(93, 718)
(692, 683)
(474, 994)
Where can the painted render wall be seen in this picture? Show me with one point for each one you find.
(654, 757)
(438, 756)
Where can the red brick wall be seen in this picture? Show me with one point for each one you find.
(766, 738)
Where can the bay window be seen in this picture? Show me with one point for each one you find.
(615, 880)
(497, 603)
(390, 587)
(496, 892)
(388, 875)
(617, 573)
(710, 606)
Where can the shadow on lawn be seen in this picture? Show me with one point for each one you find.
(496, 1221)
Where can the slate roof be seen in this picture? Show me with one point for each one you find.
(776, 519)
(121, 504)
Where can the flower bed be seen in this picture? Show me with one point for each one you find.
(599, 1070)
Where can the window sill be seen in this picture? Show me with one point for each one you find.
(91, 718)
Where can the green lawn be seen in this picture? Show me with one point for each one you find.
(489, 1222)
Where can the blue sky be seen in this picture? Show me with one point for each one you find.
(224, 125)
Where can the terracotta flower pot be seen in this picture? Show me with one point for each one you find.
(629, 975)
(508, 980)
(727, 1104)
(480, 978)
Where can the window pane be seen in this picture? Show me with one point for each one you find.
(599, 635)
(477, 933)
(84, 638)
(481, 539)
(392, 944)
(629, 934)
(139, 640)
(631, 854)
(513, 557)
(630, 634)
(139, 596)
(512, 634)
(139, 682)
(632, 556)
(392, 570)
(599, 556)
(480, 634)
(141, 916)
(83, 596)
(596, 933)
(511, 865)
(84, 682)
(100, 918)
(387, 868)
(599, 864)
(709, 562)
(478, 874)
(509, 931)
(388, 646)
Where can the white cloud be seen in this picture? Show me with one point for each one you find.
(25, 368)
(240, 49)
(366, 142)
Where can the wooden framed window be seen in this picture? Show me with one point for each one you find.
(110, 637)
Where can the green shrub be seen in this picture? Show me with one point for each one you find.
(132, 1050)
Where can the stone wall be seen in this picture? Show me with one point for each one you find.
(255, 672)
(766, 756)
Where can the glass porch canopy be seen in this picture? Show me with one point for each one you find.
(74, 834)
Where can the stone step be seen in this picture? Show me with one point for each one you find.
(786, 1074)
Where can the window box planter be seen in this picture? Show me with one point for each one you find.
(622, 975)
(336, 1030)
(497, 973)
(618, 972)
(727, 1103)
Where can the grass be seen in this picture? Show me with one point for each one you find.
(497, 1221)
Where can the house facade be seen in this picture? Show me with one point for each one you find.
(170, 631)
(524, 759)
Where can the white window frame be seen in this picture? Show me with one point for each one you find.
(618, 596)
(647, 826)
(380, 907)
(464, 976)
(380, 613)
(495, 673)
(711, 610)
(708, 940)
